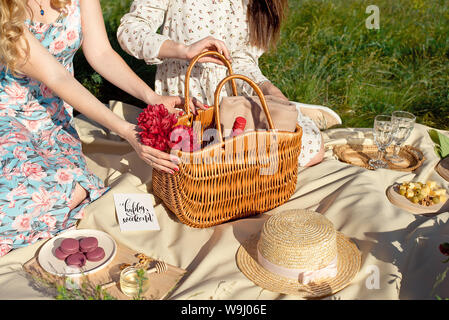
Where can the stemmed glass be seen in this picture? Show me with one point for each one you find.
(404, 122)
(383, 136)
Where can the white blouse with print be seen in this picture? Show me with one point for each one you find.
(188, 21)
(151, 22)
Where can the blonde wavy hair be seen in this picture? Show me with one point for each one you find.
(13, 14)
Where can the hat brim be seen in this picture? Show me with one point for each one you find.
(348, 265)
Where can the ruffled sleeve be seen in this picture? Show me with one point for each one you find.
(137, 33)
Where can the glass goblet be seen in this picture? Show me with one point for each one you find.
(383, 136)
(404, 122)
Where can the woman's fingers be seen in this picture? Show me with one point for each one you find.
(221, 48)
(211, 59)
(162, 160)
(195, 102)
(210, 43)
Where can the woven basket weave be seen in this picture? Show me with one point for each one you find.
(228, 180)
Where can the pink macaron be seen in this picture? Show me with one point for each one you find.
(76, 260)
(88, 244)
(69, 246)
(95, 255)
(60, 254)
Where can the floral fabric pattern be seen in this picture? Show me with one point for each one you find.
(40, 151)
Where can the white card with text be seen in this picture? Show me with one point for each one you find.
(135, 212)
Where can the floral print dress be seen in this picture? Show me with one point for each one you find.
(189, 21)
(40, 152)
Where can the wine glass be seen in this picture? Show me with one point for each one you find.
(383, 136)
(404, 122)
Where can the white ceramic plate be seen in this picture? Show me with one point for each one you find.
(53, 265)
(402, 202)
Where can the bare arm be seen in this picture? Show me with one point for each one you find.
(108, 63)
(43, 67)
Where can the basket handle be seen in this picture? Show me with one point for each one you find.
(256, 89)
(189, 71)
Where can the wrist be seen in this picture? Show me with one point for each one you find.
(150, 96)
(181, 51)
(127, 130)
(172, 50)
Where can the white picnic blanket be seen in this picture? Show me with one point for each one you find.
(400, 256)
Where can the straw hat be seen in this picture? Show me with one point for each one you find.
(299, 252)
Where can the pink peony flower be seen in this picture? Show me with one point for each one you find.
(182, 138)
(16, 92)
(33, 171)
(22, 223)
(4, 249)
(57, 47)
(33, 125)
(49, 220)
(156, 123)
(63, 176)
(72, 36)
(43, 201)
(19, 154)
(68, 139)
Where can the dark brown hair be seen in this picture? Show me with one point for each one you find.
(265, 18)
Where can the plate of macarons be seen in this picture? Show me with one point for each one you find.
(77, 252)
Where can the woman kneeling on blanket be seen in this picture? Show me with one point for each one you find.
(44, 180)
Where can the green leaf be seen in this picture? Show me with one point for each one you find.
(434, 136)
(444, 145)
(441, 143)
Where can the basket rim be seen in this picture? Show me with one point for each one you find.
(220, 145)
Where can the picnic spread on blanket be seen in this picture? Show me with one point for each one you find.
(241, 219)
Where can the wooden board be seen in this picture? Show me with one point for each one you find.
(160, 284)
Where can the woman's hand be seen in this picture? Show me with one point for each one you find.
(270, 89)
(174, 50)
(175, 104)
(157, 159)
(206, 44)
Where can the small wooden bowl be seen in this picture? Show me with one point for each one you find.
(403, 203)
(442, 168)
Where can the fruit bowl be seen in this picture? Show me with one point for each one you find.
(417, 197)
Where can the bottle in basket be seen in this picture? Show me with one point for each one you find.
(238, 127)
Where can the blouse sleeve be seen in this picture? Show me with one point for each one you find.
(137, 33)
(245, 61)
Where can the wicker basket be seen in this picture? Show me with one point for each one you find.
(234, 178)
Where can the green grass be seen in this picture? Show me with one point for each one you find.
(327, 56)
